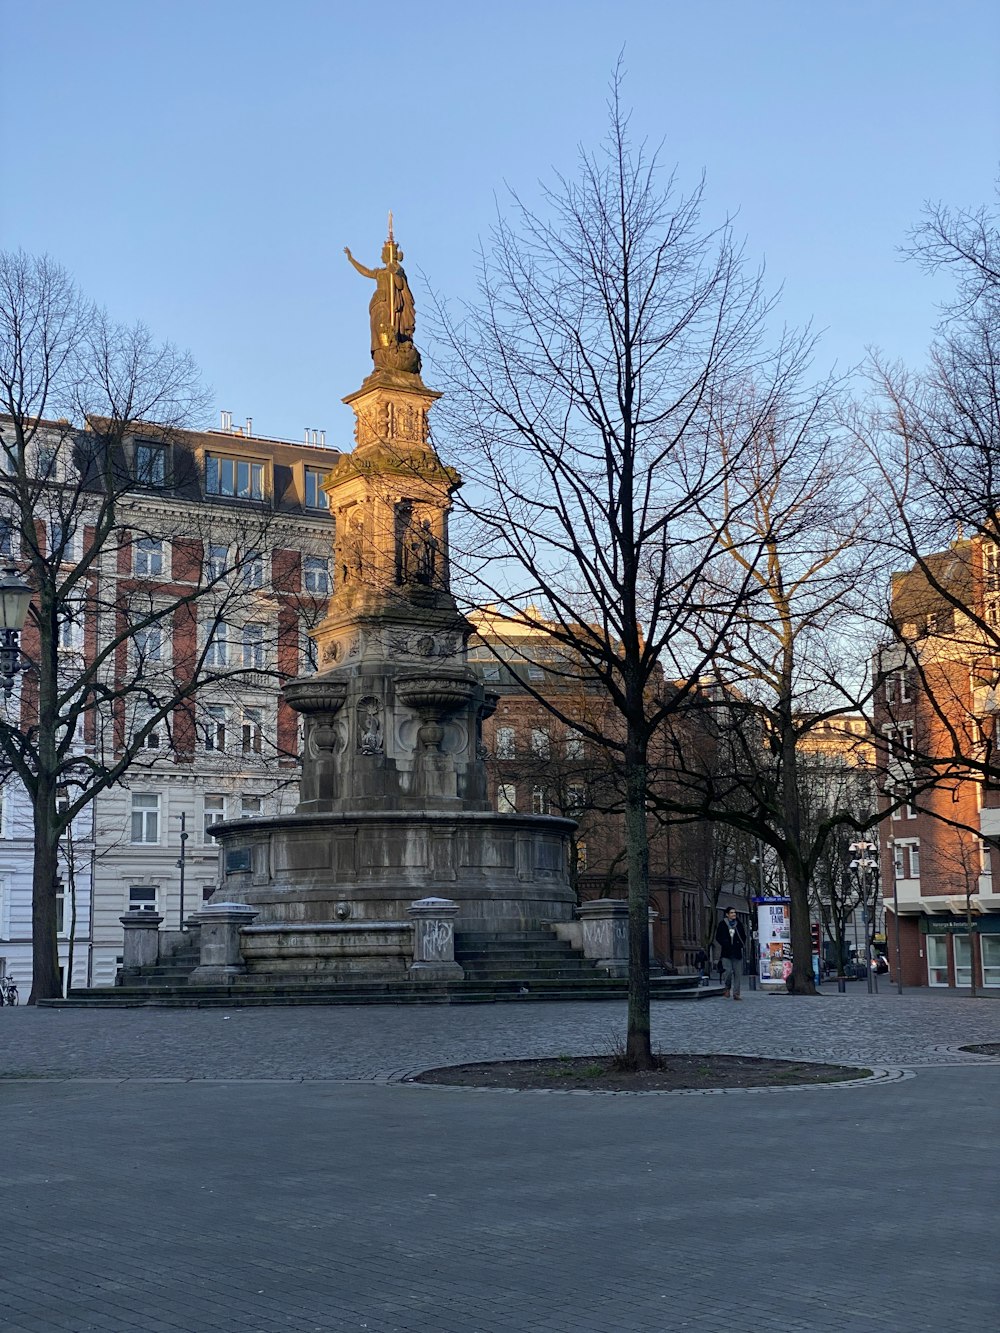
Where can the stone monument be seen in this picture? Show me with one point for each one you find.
(394, 809)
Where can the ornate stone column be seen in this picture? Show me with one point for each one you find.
(221, 957)
(319, 700)
(434, 940)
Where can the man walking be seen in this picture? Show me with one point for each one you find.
(732, 941)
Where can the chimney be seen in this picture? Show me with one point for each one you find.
(227, 420)
(322, 438)
(307, 435)
(249, 430)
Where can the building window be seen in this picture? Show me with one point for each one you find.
(217, 648)
(148, 556)
(937, 960)
(252, 569)
(242, 478)
(308, 654)
(539, 801)
(897, 688)
(989, 946)
(150, 464)
(540, 743)
(575, 797)
(251, 807)
(71, 626)
(315, 495)
(985, 860)
(906, 860)
(505, 743)
(216, 563)
(990, 568)
(317, 574)
(6, 537)
(216, 719)
(62, 923)
(253, 730)
(45, 457)
(253, 645)
(491, 672)
(900, 739)
(142, 897)
(148, 643)
(581, 857)
(507, 798)
(215, 809)
(535, 672)
(154, 737)
(573, 745)
(145, 817)
(62, 541)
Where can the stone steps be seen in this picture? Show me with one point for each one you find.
(378, 992)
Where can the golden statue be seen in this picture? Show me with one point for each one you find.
(392, 312)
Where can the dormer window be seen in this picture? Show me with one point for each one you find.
(150, 463)
(242, 478)
(315, 495)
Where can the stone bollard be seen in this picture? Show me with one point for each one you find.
(142, 939)
(221, 957)
(434, 940)
(605, 934)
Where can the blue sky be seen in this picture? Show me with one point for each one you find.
(200, 166)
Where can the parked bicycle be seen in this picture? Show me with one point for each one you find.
(8, 990)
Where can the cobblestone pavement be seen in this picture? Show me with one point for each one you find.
(163, 1171)
(379, 1043)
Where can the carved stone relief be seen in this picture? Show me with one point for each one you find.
(371, 739)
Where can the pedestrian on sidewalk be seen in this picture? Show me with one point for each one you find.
(732, 941)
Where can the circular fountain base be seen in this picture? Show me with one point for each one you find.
(332, 890)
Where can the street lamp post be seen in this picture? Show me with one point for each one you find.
(863, 863)
(181, 861)
(15, 598)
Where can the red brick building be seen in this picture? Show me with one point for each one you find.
(539, 764)
(934, 720)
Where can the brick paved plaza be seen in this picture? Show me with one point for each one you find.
(265, 1170)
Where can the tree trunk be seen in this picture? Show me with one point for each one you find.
(638, 1049)
(798, 894)
(45, 870)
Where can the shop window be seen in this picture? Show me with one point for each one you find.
(937, 960)
(990, 948)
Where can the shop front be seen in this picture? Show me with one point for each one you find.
(957, 958)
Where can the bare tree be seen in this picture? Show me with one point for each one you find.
(129, 626)
(579, 391)
(791, 661)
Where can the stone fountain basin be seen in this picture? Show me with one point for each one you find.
(506, 872)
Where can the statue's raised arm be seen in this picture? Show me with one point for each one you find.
(365, 272)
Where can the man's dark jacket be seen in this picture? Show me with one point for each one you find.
(731, 948)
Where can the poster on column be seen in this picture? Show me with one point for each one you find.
(774, 940)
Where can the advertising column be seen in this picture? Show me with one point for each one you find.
(774, 941)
